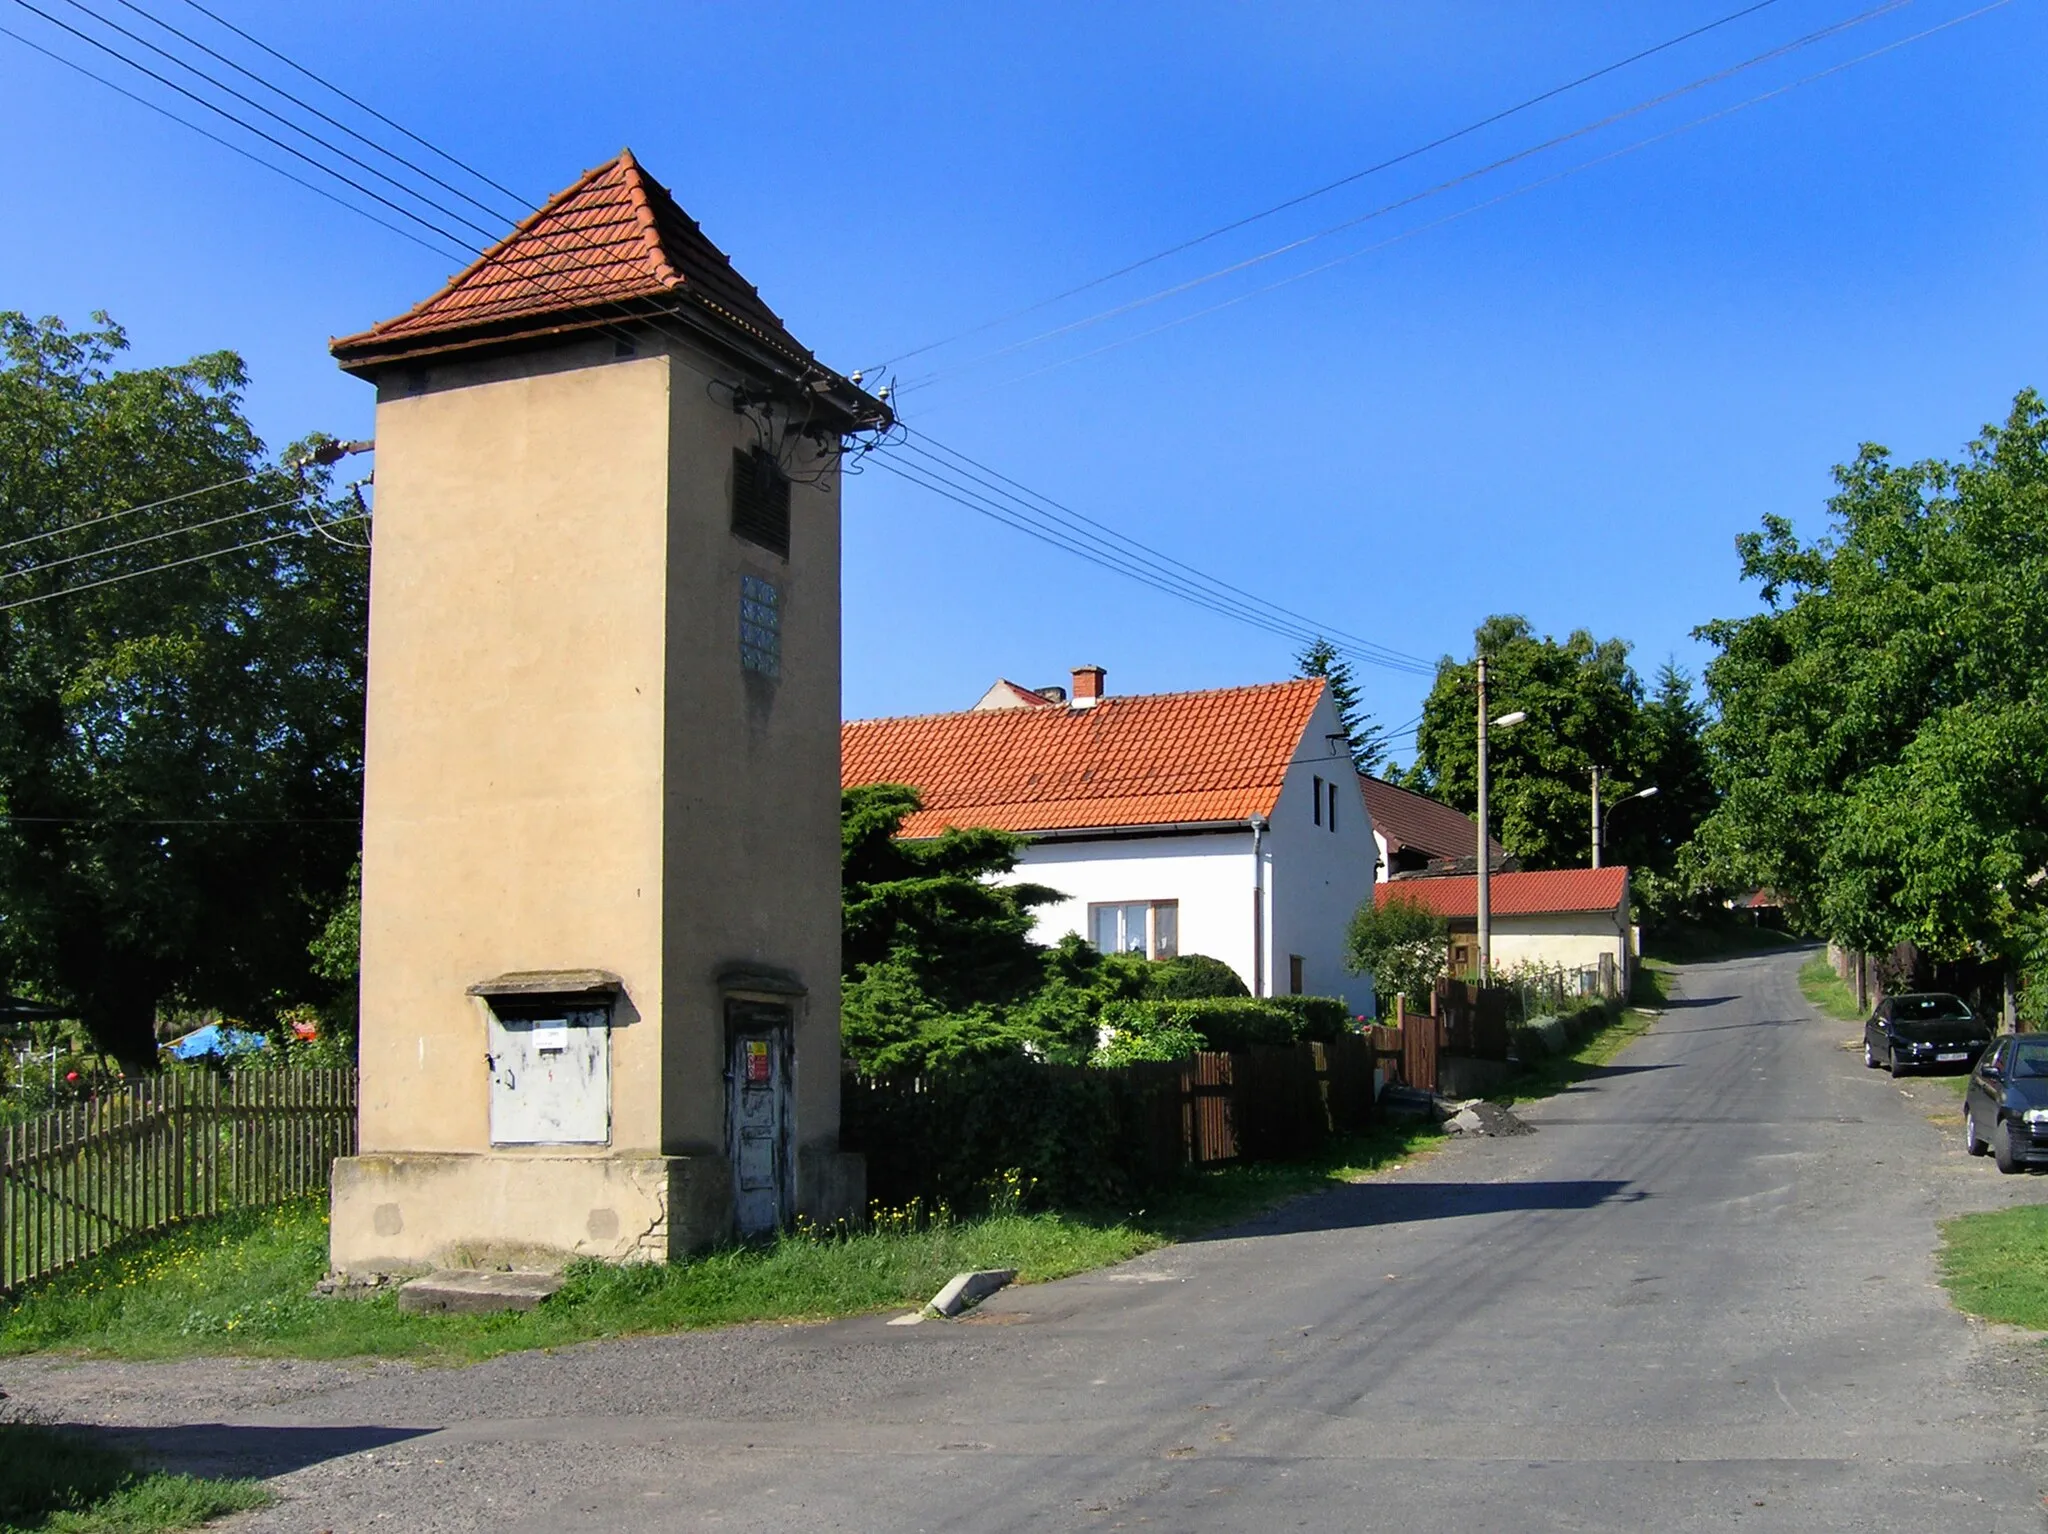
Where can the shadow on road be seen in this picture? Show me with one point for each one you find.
(1593, 1075)
(217, 1449)
(1680, 1003)
(1365, 1204)
(1755, 1022)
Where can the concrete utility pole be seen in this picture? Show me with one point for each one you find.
(1485, 866)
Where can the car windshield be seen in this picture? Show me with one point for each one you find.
(2030, 1057)
(1930, 1009)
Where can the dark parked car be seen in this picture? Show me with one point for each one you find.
(2008, 1100)
(1923, 1030)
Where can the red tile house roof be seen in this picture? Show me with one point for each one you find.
(1409, 819)
(1167, 759)
(613, 248)
(1519, 894)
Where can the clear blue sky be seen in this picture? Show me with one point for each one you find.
(1564, 405)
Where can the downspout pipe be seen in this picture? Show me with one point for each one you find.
(1258, 907)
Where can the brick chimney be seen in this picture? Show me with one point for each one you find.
(1088, 688)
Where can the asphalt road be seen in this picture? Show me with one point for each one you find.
(1701, 1296)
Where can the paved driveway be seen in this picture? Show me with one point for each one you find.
(1700, 1297)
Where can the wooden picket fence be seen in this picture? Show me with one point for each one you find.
(151, 1154)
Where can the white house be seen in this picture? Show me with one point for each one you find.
(1226, 823)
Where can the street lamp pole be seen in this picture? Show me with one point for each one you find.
(1599, 827)
(1485, 869)
(1600, 821)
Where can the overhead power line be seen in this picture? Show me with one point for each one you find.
(1325, 189)
(254, 105)
(333, 122)
(227, 144)
(129, 511)
(133, 543)
(172, 564)
(1041, 507)
(247, 127)
(1479, 207)
(1116, 552)
(1025, 510)
(1144, 564)
(1288, 247)
(525, 202)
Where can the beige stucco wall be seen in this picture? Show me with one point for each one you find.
(751, 786)
(1573, 941)
(567, 766)
(513, 767)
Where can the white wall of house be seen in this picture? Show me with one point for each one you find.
(1210, 875)
(1314, 878)
(1319, 874)
(1574, 940)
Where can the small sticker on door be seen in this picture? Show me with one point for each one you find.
(757, 1062)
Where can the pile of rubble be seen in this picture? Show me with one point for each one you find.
(1473, 1116)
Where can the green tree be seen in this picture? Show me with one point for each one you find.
(1582, 698)
(1881, 739)
(937, 955)
(181, 690)
(1670, 754)
(1402, 945)
(1368, 742)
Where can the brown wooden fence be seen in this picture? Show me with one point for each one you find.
(148, 1155)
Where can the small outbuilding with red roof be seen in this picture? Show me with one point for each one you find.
(1576, 919)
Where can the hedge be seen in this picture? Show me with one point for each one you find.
(1078, 1136)
(1234, 1022)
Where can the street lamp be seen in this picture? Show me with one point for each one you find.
(1485, 913)
(1600, 820)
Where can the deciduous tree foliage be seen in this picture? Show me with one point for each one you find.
(180, 750)
(1403, 946)
(1586, 708)
(1882, 739)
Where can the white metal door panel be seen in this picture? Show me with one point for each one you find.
(551, 1079)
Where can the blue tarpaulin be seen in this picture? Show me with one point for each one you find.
(213, 1039)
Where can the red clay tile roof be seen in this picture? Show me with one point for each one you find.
(1409, 819)
(1164, 759)
(616, 238)
(1553, 892)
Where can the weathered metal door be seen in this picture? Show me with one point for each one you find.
(757, 1113)
(551, 1077)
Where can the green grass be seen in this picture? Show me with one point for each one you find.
(243, 1283)
(61, 1482)
(1996, 1265)
(1829, 991)
(1550, 1076)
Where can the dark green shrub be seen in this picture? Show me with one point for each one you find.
(1192, 977)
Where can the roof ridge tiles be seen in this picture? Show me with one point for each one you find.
(1116, 699)
(649, 221)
